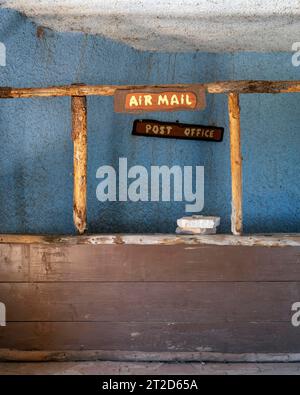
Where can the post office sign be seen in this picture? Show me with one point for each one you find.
(152, 128)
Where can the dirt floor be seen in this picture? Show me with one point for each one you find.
(148, 368)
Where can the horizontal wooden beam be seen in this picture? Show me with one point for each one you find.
(113, 301)
(75, 90)
(253, 87)
(228, 336)
(147, 263)
(109, 90)
(272, 240)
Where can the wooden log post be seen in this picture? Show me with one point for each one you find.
(79, 136)
(109, 90)
(236, 163)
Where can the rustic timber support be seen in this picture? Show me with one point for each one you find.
(79, 92)
(236, 163)
(194, 241)
(109, 90)
(79, 136)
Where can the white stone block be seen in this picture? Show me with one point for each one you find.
(196, 231)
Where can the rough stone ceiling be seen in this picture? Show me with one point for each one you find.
(174, 25)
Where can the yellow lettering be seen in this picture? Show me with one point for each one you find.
(163, 99)
(133, 101)
(155, 129)
(188, 102)
(148, 100)
(187, 132)
(174, 100)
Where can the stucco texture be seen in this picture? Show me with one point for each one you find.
(176, 25)
(36, 153)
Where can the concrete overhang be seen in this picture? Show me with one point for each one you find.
(174, 25)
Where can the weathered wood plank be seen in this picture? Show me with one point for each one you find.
(151, 302)
(271, 240)
(56, 263)
(233, 299)
(163, 263)
(14, 262)
(274, 337)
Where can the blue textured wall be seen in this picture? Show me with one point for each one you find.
(36, 148)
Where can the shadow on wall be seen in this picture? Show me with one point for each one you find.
(36, 147)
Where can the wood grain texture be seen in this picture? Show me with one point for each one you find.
(253, 86)
(110, 262)
(14, 262)
(262, 240)
(209, 303)
(145, 263)
(79, 136)
(251, 337)
(236, 164)
(246, 86)
(149, 298)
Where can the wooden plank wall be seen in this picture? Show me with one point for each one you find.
(179, 298)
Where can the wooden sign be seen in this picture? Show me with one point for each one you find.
(177, 130)
(160, 99)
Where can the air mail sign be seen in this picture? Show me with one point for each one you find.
(160, 99)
